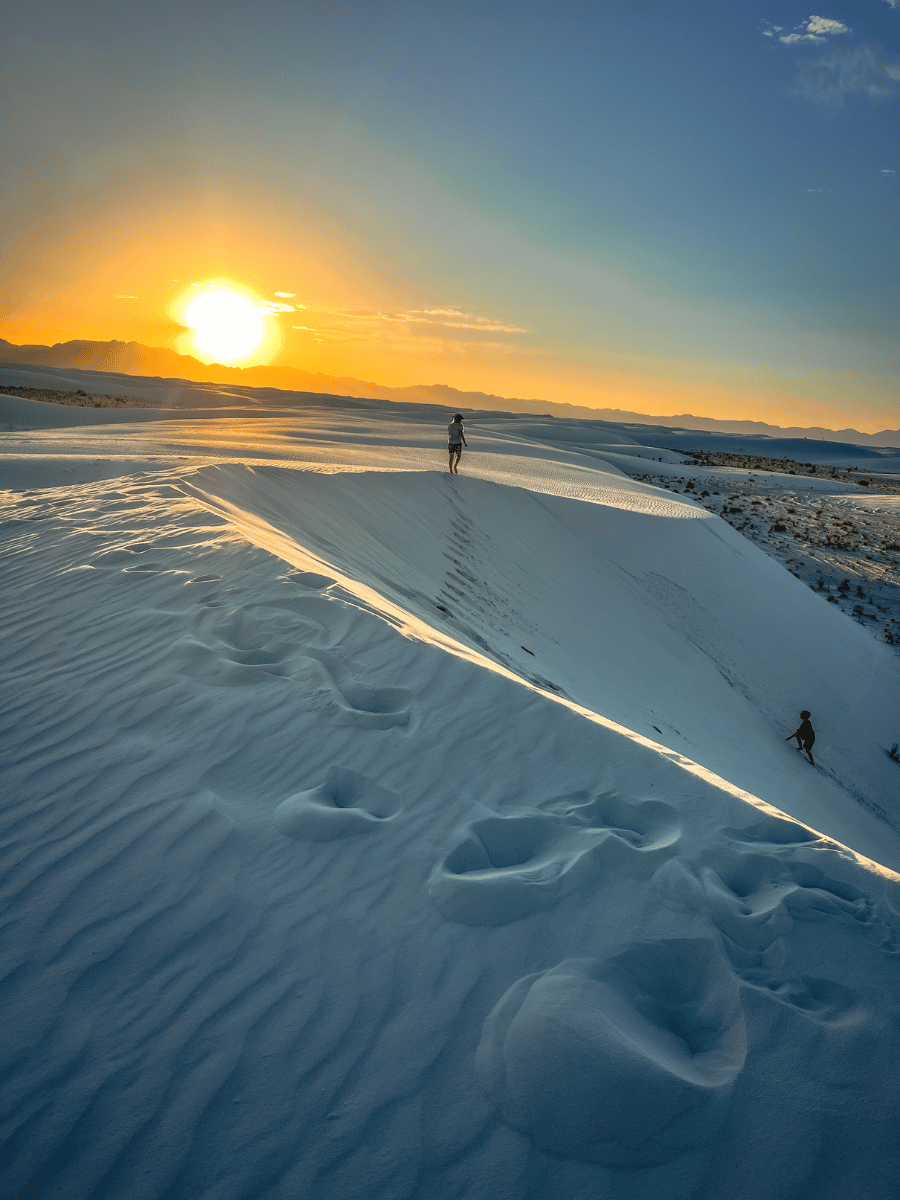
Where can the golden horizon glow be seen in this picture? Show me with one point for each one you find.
(355, 311)
(226, 323)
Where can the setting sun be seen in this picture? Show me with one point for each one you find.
(227, 324)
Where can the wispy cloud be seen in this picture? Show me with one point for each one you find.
(274, 306)
(816, 29)
(453, 318)
(439, 329)
(323, 335)
(829, 80)
(496, 347)
(350, 320)
(887, 171)
(483, 328)
(286, 295)
(126, 297)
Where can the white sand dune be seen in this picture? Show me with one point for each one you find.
(374, 833)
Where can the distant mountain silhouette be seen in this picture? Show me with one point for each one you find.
(132, 358)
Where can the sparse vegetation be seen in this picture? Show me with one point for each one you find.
(837, 550)
(79, 398)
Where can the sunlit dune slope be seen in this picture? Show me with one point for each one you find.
(679, 629)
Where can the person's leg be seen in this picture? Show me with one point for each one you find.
(451, 460)
(808, 748)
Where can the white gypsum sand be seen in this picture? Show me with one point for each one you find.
(374, 833)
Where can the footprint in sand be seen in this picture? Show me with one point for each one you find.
(238, 650)
(310, 579)
(228, 668)
(506, 868)
(626, 1061)
(775, 833)
(644, 825)
(303, 622)
(345, 804)
(758, 883)
(123, 557)
(754, 901)
(267, 641)
(356, 703)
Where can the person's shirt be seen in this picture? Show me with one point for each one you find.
(806, 730)
(455, 432)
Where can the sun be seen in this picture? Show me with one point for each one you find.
(226, 326)
(226, 323)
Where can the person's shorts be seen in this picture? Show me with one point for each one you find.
(455, 446)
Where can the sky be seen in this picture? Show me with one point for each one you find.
(688, 207)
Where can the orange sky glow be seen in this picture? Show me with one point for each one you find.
(123, 261)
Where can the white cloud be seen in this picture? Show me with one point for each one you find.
(333, 335)
(826, 25)
(272, 306)
(286, 295)
(815, 29)
(443, 312)
(126, 297)
(893, 3)
(486, 328)
(466, 320)
(449, 318)
(829, 80)
(887, 171)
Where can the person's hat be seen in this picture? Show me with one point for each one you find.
(805, 714)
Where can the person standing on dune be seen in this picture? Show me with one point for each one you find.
(805, 735)
(457, 441)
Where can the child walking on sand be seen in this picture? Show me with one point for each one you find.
(457, 441)
(805, 735)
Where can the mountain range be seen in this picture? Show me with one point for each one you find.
(132, 358)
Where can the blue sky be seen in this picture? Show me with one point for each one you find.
(672, 207)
